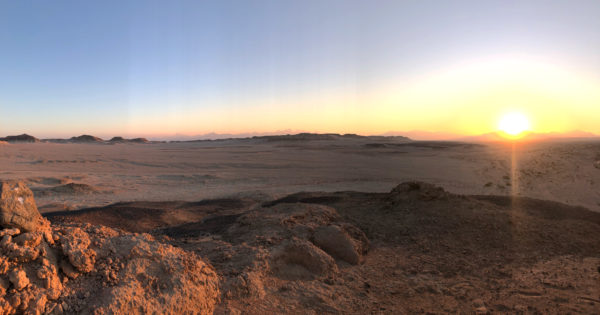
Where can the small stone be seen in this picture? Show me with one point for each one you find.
(11, 232)
(4, 284)
(68, 269)
(28, 239)
(38, 305)
(19, 279)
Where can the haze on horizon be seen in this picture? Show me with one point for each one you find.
(157, 69)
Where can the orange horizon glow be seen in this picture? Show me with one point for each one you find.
(465, 99)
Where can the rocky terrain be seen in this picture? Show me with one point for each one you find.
(90, 269)
(416, 249)
(353, 242)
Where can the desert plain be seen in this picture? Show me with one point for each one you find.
(336, 223)
(566, 171)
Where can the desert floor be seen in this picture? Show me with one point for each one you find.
(326, 227)
(567, 172)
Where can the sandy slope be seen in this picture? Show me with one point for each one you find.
(567, 172)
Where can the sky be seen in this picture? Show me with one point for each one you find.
(185, 68)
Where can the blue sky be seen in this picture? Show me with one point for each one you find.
(160, 68)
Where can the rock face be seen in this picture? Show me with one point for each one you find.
(17, 207)
(75, 268)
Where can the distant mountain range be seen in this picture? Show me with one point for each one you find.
(309, 137)
(79, 139)
(305, 136)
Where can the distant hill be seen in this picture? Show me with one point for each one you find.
(326, 136)
(123, 140)
(86, 139)
(423, 135)
(308, 137)
(20, 138)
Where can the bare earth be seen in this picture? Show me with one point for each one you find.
(323, 226)
(567, 172)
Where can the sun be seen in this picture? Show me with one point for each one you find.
(514, 124)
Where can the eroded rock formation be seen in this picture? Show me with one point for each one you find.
(81, 268)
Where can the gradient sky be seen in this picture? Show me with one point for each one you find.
(159, 68)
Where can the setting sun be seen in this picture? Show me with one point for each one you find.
(514, 124)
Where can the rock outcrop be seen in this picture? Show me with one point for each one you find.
(344, 242)
(81, 268)
(18, 208)
(285, 242)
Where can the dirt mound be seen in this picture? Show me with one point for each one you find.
(67, 189)
(74, 188)
(418, 190)
(70, 268)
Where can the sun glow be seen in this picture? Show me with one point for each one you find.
(514, 124)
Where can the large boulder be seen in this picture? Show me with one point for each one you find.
(300, 259)
(338, 241)
(17, 207)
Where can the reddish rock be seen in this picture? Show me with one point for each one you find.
(17, 207)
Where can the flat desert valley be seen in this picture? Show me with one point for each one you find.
(563, 171)
(314, 224)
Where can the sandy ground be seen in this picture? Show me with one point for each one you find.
(567, 172)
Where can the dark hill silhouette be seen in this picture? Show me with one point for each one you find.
(20, 138)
